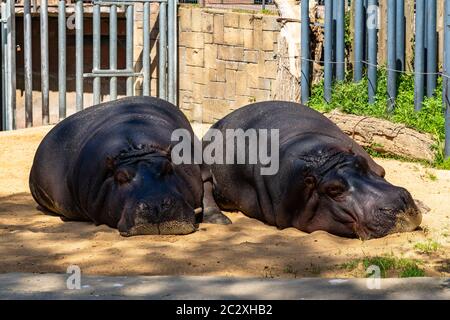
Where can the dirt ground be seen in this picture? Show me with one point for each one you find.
(31, 241)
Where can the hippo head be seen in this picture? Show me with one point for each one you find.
(346, 197)
(148, 194)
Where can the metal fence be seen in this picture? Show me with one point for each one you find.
(365, 43)
(250, 4)
(167, 54)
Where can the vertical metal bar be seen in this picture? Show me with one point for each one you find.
(419, 55)
(2, 65)
(328, 67)
(432, 47)
(340, 42)
(162, 50)
(79, 54)
(96, 39)
(10, 65)
(333, 37)
(28, 69)
(359, 41)
(171, 51)
(62, 58)
(372, 25)
(305, 63)
(129, 44)
(44, 61)
(113, 50)
(263, 5)
(447, 80)
(175, 53)
(400, 35)
(146, 50)
(391, 63)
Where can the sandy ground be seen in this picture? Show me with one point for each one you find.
(31, 241)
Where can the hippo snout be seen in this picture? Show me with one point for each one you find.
(408, 216)
(166, 216)
(397, 213)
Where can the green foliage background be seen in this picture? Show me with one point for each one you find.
(352, 98)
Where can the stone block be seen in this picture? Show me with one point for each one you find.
(191, 39)
(218, 28)
(230, 53)
(233, 36)
(207, 22)
(210, 55)
(251, 56)
(194, 57)
(246, 21)
(231, 19)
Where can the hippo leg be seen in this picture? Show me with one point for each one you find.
(211, 211)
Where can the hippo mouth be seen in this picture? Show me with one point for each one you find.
(164, 228)
(405, 221)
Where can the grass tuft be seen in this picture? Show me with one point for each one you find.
(427, 247)
(389, 266)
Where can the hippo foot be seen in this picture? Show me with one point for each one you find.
(215, 216)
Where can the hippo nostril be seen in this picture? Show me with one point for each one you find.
(142, 206)
(166, 204)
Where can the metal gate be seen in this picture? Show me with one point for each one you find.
(167, 53)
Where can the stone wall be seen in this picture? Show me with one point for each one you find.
(226, 60)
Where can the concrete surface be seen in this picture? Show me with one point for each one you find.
(53, 286)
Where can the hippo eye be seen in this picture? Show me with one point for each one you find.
(122, 176)
(335, 189)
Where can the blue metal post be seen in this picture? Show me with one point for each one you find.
(146, 51)
(10, 65)
(130, 46)
(113, 51)
(62, 58)
(28, 65)
(391, 47)
(3, 50)
(96, 41)
(447, 80)
(305, 72)
(79, 64)
(162, 52)
(372, 26)
(400, 35)
(44, 62)
(328, 67)
(340, 41)
(359, 40)
(172, 51)
(431, 47)
(419, 63)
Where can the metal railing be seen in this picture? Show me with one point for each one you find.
(167, 54)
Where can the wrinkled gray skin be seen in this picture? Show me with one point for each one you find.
(111, 164)
(325, 181)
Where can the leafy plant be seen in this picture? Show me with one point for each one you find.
(352, 98)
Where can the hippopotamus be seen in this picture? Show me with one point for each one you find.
(111, 164)
(325, 180)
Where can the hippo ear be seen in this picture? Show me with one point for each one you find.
(169, 152)
(166, 168)
(110, 163)
(310, 181)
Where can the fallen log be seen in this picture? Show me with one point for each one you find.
(384, 136)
